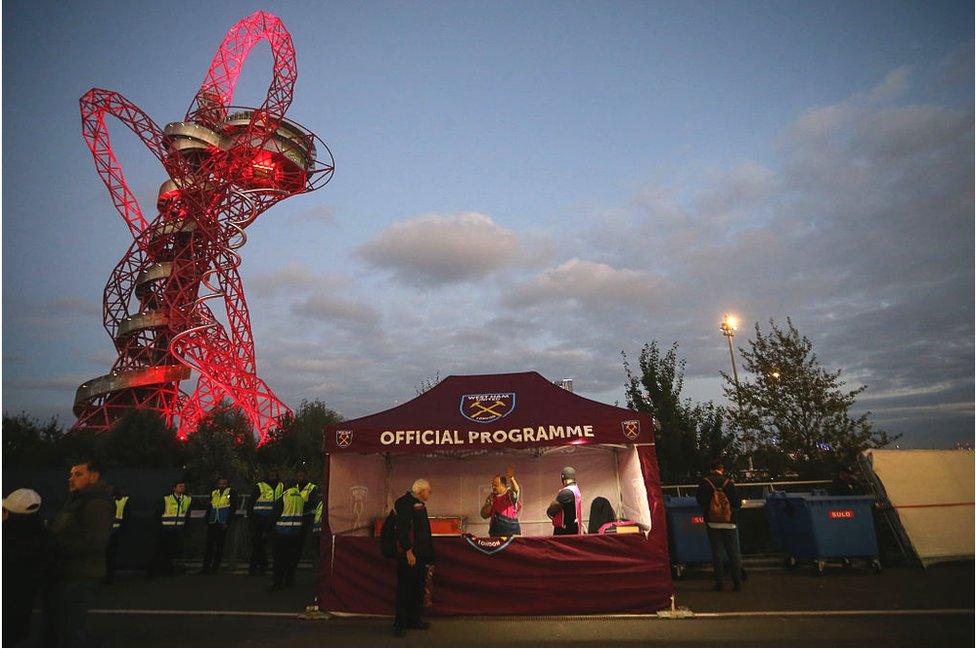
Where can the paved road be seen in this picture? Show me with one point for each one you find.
(792, 608)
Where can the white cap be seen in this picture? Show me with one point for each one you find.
(22, 501)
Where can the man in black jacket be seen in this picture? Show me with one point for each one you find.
(81, 531)
(721, 528)
(415, 551)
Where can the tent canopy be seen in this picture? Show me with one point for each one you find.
(489, 412)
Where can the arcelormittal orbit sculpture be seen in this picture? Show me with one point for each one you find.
(226, 165)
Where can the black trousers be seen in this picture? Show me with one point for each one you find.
(111, 554)
(409, 591)
(167, 549)
(285, 548)
(260, 528)
(214, 549)
(303, 533)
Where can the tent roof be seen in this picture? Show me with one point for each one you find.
(490, 411)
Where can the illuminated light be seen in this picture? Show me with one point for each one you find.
(697, 520)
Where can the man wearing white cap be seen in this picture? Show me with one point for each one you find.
(27, 551)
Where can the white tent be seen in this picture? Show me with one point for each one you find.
(931, 493)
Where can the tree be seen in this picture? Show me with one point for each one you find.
(427, 383)
(222, 446)
(30, 443)
(688, 436)
(791, 403)
(140, 438)
(297, 442)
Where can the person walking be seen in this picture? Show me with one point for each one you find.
(720, 507)
(415, 552)
(286, 536)
(28, 558)
(220, 513)
(81, 530)
(172, 514)
(260, 518)
(121, 500)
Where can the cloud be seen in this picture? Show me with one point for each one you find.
(290, 279)
(341, 311)
(63, 382)
(74, 306)
(589, 284)
(434, 250)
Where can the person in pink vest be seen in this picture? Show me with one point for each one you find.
(503, 505)
(566, 511)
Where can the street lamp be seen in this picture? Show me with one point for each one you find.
(728, 327)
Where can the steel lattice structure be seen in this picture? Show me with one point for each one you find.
(226, 165)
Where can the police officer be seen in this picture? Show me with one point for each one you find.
(220, 512)
(287, 528)
(260, 513)
(310, 492)
(120, 522)
(172, 514)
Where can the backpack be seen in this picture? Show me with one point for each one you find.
(388, 542)
(719, 509)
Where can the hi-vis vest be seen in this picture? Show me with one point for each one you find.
(307, 491)
(264, 505)
(120, 504)
(292, 506)
(219, 506)
(174, 513)
(317, 521)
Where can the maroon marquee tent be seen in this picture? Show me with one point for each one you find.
(458, 435)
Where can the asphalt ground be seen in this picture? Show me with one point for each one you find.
(902, 606)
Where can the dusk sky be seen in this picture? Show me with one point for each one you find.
(531, 186)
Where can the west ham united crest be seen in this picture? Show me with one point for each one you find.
(343, 438)
(488, 407)
(631, 428)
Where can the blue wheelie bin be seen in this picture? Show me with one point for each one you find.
(822, 528)
(687, 537)
(774, 510)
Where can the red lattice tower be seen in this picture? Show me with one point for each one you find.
(226, 165)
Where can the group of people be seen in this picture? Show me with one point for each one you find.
(61, 562)
(503, 505)
(64, 561)
(415, 548)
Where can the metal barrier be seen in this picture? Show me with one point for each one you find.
(753, 494)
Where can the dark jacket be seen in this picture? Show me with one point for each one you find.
(29, 556)
(81, 530)
(413, 527)
(705, 491)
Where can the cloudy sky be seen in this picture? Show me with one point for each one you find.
(532, 186)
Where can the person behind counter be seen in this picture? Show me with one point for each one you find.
(566, 511)
(503, 505)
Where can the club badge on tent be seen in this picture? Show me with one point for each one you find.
(488, 407)
(488, 544)
(343, 438)
(631, 428)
